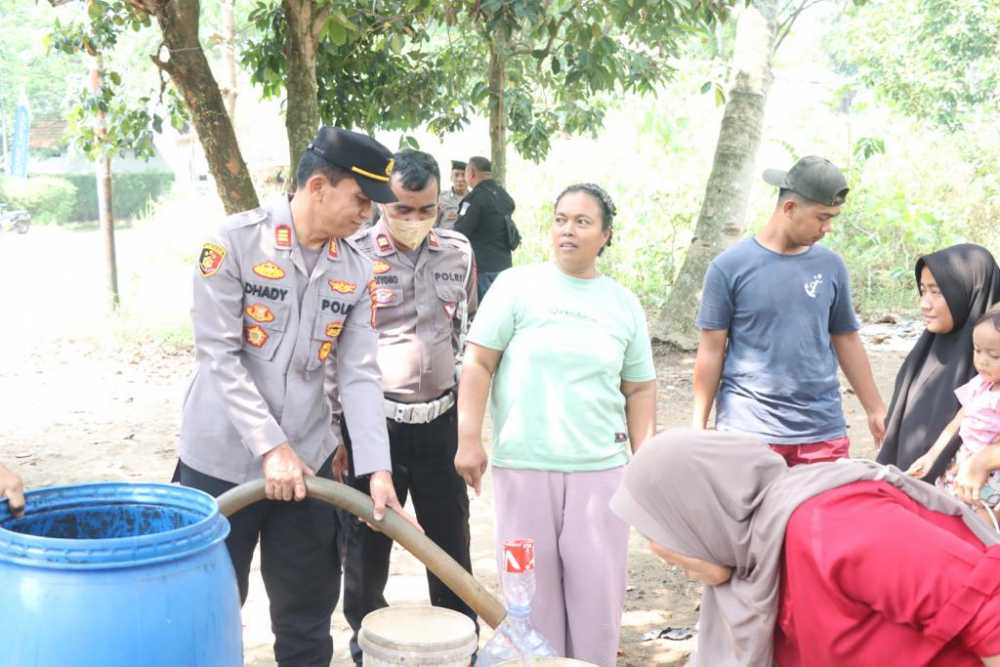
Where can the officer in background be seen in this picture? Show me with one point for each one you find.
(482, 219)
(425, 291)
(448, 201)
(279, 296)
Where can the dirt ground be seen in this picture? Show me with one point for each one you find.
(88, 397)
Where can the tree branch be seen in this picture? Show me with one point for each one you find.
(548, 46)
(786, 26)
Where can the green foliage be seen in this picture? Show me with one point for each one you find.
(131, 194)
(375, 68)
(113, 119)
(931, 59)
(25, 64)
(48, 199)
(73, 197)
(567, 61)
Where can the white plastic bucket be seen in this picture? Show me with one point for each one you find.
(411, 635)
(548, 662)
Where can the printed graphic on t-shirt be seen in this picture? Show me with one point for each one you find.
(811, 286)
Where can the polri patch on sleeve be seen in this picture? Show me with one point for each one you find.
(210, 259)
(283, 236)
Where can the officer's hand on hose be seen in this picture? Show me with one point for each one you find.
(470, 463)
(340, 464)
(12, 488)
(383, 493)
(284, 474)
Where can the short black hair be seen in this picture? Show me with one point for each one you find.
(310, 163)
(992, 315)
(784, 194)
(603, 199)
(481, 163)
(415, 169)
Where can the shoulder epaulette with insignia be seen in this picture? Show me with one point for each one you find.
(453, 239)
(245, 218)
(354, 243)
(363, 243)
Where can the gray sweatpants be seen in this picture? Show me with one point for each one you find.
(581, 555)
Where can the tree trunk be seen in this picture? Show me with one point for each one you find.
(184, 61)
(498, 111)
(229, 49)
(107, 224)
(723, 211)
(302, 117)
(104, 214)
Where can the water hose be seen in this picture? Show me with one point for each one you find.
(444, 567)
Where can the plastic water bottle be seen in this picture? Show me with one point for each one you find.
(516, 638)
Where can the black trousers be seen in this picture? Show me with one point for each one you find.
(423, 465)
(297, 562)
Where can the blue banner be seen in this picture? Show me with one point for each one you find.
(19, 144)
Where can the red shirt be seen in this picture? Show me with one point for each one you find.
(872, 578)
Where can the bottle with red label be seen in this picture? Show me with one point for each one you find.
(516, 638)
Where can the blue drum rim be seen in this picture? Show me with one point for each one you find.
(116, 552)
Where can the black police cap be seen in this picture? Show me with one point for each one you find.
(457, 164)
(368, 161)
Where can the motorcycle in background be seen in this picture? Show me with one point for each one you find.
(14, 220)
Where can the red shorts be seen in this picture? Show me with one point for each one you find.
(814, 452)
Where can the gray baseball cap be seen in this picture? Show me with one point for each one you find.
(814, 178)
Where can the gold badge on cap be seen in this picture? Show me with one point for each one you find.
(389, 166)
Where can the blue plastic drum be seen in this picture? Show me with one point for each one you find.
(117, 574)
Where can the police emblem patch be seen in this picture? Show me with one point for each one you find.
(255, 336)
(388, 167)
(269, 270)
(342, 286)
(380, 266)
(383, 242)
(333, 329)
(259, 312)
(210, 259)
(324, 350)
(283, 236)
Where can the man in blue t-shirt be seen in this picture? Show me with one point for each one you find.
(783, 305)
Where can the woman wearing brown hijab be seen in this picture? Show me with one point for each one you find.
(957, 286)
(833, 564)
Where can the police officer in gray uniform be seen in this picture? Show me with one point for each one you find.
(449, 201)
(425, 291)
(279, 297)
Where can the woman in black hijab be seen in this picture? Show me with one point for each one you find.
(957, 285)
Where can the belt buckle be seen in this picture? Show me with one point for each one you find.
(418, 413)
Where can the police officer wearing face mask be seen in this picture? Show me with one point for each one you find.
(425, 291)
